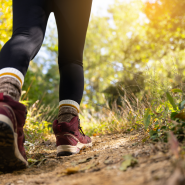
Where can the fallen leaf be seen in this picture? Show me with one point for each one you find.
(84, 160)
(30, 160)
(72, 170)
(129, 161)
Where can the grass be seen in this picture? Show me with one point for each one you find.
(39, 122)
(154, 112)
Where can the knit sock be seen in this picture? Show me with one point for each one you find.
(11, 87)
(11, 81)
(68, 110)
(66, 114)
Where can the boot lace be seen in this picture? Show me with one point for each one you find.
(80, 128)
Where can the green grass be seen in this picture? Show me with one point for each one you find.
(153, 114)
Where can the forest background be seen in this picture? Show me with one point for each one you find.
(134, 63)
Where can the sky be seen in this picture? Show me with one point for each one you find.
(99, 7)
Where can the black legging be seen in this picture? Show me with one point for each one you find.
(29, 24)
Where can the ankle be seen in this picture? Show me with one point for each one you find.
(10, 87)
(66, 114)
(11, 81)
(68, 110)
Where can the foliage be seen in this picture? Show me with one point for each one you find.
(138, 35)
(153, 114)
(170, 116)
(39, 121)
(5, 21)
(134, 71)
(40, 86)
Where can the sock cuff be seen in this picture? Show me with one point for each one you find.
(69, 103)
(14, 73)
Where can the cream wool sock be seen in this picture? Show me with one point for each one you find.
(66, 114)
(11, 81)
(11, 87)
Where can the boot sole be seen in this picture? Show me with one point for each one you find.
(67, 150)
(10, 157)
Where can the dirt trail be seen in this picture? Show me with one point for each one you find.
(99, 165)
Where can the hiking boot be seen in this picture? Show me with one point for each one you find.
(69, 139)
(12, 120)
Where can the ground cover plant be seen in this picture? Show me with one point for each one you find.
(153, 114)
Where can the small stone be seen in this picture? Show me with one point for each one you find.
(20, 181)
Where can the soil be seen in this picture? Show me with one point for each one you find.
(100, 165)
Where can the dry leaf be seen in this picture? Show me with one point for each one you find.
(129, 161)
(84, 160)
(72, 170)
(30, 160)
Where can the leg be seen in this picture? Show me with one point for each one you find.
(29, 24)
(72, 18)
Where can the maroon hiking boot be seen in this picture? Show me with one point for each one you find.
(12, 120)
(69, 139)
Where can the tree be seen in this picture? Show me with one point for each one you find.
(5, 21)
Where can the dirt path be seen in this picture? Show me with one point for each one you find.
(99, 165)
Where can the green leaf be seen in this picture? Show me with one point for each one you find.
(176, 90)
(30, 160)
(171, 100)
(181, 106)
(155, 137)
(153, 132)
(84, 160)
(129, 161)
(173, 114)
(163, 128)
(147, 118)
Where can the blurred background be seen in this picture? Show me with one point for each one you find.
(134, 53)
